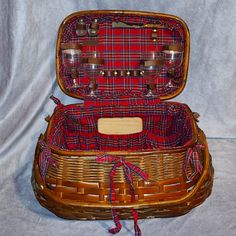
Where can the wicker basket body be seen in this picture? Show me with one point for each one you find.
(81, 188)
(76, 185)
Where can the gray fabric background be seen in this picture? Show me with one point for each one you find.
(28, 31)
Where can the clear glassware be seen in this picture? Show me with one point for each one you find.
(151, 66)
(173, 58)
(71, 59)
(92, 64)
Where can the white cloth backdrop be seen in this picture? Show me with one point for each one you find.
(28, 31)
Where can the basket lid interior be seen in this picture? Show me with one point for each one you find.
(121, 37)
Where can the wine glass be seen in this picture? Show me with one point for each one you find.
(71, 59)
(151, 66)
(173, 58)
(92, 64)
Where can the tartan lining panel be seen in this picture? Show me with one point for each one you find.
(164, 125)
(122, 48)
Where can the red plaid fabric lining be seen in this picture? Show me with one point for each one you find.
(122, 49)
(164, 125)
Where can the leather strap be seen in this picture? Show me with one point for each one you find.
(121, 73)
(94, 25)
(152, 63)
(81, 26)
(173, 47)
(91, 60)
(154, 35)
(71, 46)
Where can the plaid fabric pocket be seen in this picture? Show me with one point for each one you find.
(135, 141)
(164, 125)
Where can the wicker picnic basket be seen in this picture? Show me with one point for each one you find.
(121, 150)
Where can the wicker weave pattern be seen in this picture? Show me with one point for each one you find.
(80, 184)
(165, 167)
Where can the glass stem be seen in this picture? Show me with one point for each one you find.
(73, 75)
(151, 86)
(93, 87)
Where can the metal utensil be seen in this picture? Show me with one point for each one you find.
(120, 24)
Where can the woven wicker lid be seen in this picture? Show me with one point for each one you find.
(121, 38)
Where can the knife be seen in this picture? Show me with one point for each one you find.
(120, 24)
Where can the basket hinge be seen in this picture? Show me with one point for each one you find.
(196, 116)
(47, 118)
